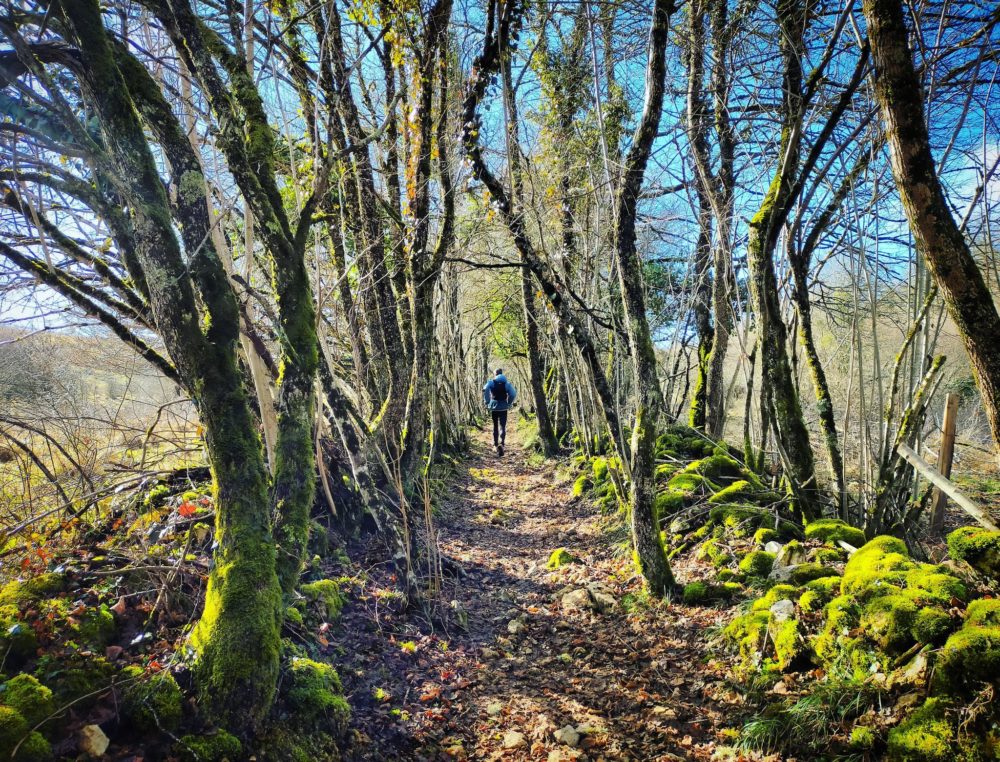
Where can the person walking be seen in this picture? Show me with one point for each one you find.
(499, 395)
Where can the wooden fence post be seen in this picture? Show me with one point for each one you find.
(946, 453)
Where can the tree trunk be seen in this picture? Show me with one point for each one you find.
(777, 382)
(937, 237)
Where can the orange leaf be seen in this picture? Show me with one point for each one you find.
(186, 509)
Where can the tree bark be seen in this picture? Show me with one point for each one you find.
(938, 238)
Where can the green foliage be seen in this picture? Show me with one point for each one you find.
(325, 595)
(804, 573)
(978, 547)
(764, 535)
(757, 563)
(211, 747)
(28, 697)
(832, 531)
(17, 638)
(152, 703)
(560, 558)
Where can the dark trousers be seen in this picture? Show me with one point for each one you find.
(499, 426)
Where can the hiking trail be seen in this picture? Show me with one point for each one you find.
(572, 663)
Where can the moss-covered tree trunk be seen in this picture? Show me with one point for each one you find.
(937, 237)
(778, 387)
(237, 639)
(650, 410)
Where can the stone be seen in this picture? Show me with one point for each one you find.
(93, 742)
(791, 554)
(494, 708)
(602, 598)
(568, 735)
(913, 674)
(782, 610)
(516, 627)
(578, 599)
(513, 739)
(773, 547)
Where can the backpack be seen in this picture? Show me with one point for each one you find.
(498, 390)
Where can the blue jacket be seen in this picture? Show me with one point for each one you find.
(493, 404)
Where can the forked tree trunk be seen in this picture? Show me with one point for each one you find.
(937, 237)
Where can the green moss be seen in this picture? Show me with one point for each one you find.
(841, 615)
(743, 491)
(600, 468)
(668, 503)
(775, 594)
(863, 738)
(828, 556)
(715, 552)
(881, 561)
(804, 573)
(931, 625)
(788, 642)
(930, 585)
(214, 747)
(698, 592)
(832, 531)
(151, 703)
(764, 535)
(978, 547)
(664, 471)
(293, 616)
(15, 732)
(314, 696)
(28, 697)
(727, 575)
(887, 620)
(80, 681)
(984, 612)
(23, 593)
(715, 467)
(560, 558)
(925, 736)
(96, 627)
(749, 633)
(757, 563)
(581, 485)
(326, 596)
(690, 484)
(155, 497)
(17, 639)
(969, 656)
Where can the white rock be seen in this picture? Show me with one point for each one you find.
(93, 742)
(513, 739)
(781, 573)
(790, 555)
(782, 610)
(773, 546)
(568, 735)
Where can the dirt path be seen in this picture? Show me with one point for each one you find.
(633, 681)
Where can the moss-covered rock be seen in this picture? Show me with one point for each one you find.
(803, 573)
(21, 593)
(582, 485)
(969, 657)
(925, 736)
(841, 615)
(700, 592)
(18, 640)
(689, 485)
(600, 468)
(560, 558)
(929, 585)
(757, 563)
(879, 562)
(818, 593)
(931, 625)
(764, 535)
(219, 746)
(789, 645)
(827, 556)
(978, 547)
(15, 733)
(713, 550)
(984, 612)
(749, 633)
(888, 621)
(719, 467)
(325, 595)
(668, 503)
(32, 700)
(775, 594)
(152, 702)
(863, 738)
(832, 531)
(315, 696)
